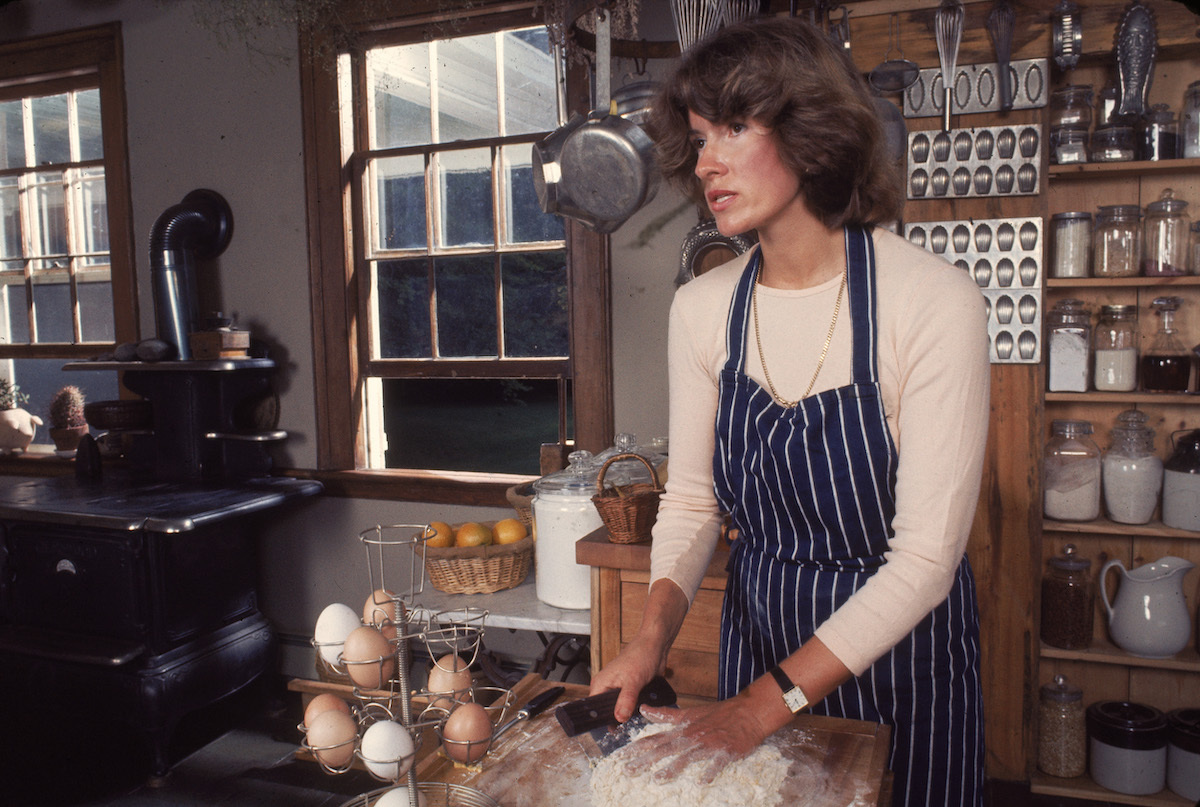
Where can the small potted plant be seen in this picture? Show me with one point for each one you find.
(16, 425)
(67, 424)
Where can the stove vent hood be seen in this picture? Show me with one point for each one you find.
(198, 228)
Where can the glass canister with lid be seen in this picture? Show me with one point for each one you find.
(1067, 601)
(1071, 472)
(1115, 349)
(1167, 230)
(1062, 729)
(1117, 241)
(1068, 326)
(1158, 134)
(563, 512)
(1190, 124)
(1132, 473)
(1071, 106)
(1072, 243)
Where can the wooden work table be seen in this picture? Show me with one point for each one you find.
(620, 582)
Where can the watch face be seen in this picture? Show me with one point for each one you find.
(795, 699)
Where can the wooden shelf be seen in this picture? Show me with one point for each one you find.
(1102, 526)
(1082, 787)
(1161, 398)
(1132, 168)
(1104, 652)
(1121, 282)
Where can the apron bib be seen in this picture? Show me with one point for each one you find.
(812, 492)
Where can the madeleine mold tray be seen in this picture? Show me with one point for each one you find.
(992, 161)
(1004, 258)
(977, 88)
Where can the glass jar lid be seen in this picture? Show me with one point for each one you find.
(578, 478)
(1159, 114)
(1119, 311)
(1069, 215)
(1061, 690)
(1071, 428)
(1131, 431)
(1119, 212)
(1112, 136)
(1073, 93)
(1167, 204)
(1070, 561)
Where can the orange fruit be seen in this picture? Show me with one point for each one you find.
(440, 534)
(472, 534)
(508, 531)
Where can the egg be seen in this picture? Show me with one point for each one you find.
(449, 677)
(321, 703)
(368, 657)
(334, 624)
(331, 737)
(380, 610)
(467, 733)
(398, 797)
(387, 749)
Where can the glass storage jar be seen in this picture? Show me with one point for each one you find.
(1131, 473)
(1106, 102)
(1117, 241)
(1194, 264)
(1115, 349)
(1190, 125)
(1068, 145)
(1071, 472)
(1167, 230)
(1158, 134)
(1166, 365)
(1067, 601)
(1072, 244)
(1112, 144)
(1062, 729)
(1071, 106)
(1068, 326)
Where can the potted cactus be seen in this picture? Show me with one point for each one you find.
(16, 425)
(67, 424)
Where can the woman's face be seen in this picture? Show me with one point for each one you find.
(746, 183)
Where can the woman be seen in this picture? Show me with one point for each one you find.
(829, 392)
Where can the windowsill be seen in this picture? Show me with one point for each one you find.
(439, 487)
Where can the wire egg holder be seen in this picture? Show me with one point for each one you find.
(393, 698)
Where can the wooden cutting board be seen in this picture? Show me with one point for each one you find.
(835, 762)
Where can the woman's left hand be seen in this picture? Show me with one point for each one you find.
(714, 735)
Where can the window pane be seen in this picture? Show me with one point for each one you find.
(466, 88)
(93, 221)
(96, 312)
(402, 289)
(91, 141)
(466, 306)
(530, 100)
(495, 425)
(526, 221)
(399, 93)
(51, 131)
(12, 130)
(465, 182)
(41, 378)
(10, 218)
(15, 314)
(400, 202)
(52, 308)
(535, 304)
(49, 236)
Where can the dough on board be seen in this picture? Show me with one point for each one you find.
(756, 779)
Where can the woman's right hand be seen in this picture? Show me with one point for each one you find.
(630, 672)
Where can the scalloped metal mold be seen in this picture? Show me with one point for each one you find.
(960, 163)
(976, 88)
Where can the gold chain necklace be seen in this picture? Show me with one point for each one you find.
(824, 350)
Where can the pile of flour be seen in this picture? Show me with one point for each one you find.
(756, 779)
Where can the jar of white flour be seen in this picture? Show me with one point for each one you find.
(1071, 472)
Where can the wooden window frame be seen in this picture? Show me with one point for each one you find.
(338, 338)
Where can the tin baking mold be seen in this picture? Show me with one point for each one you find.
(977, 88)
(960, 163)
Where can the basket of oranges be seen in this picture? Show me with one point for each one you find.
(477, 557)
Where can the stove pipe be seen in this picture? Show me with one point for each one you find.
(199, 227)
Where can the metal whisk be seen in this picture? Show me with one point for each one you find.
(695, 19)
(948, 32)
(1000, 21)
(738, 10)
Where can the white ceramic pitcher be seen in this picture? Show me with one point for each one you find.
(1150, 615)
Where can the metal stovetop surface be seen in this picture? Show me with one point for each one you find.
(127, 503)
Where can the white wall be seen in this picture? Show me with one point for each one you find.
(209, 109)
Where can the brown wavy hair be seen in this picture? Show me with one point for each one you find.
(784, 73)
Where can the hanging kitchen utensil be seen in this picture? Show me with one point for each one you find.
(1067, 34)
(895, 130)
(1000, 21)
(738, 10)
(894, 75)
(695, 19)
(948, 32)
(1136, 49)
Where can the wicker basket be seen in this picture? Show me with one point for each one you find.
(628, 511)
(478, 569)
(521, 498)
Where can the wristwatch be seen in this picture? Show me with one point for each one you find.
(793, 695)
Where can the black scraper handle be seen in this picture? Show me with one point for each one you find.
(596, 711)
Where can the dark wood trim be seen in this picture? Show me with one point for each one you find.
(468, 368)
(399, 486)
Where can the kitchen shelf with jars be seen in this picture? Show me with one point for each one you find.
(1118, 663)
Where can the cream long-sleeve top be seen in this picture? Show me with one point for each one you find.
(934, 376)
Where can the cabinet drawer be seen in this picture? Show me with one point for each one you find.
(701, 630)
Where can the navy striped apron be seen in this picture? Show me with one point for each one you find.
(812, 493)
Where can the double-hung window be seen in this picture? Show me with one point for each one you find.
(66, 269)
(462, 321)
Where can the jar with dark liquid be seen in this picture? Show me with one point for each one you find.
(1166, 366)
(1067, 601)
